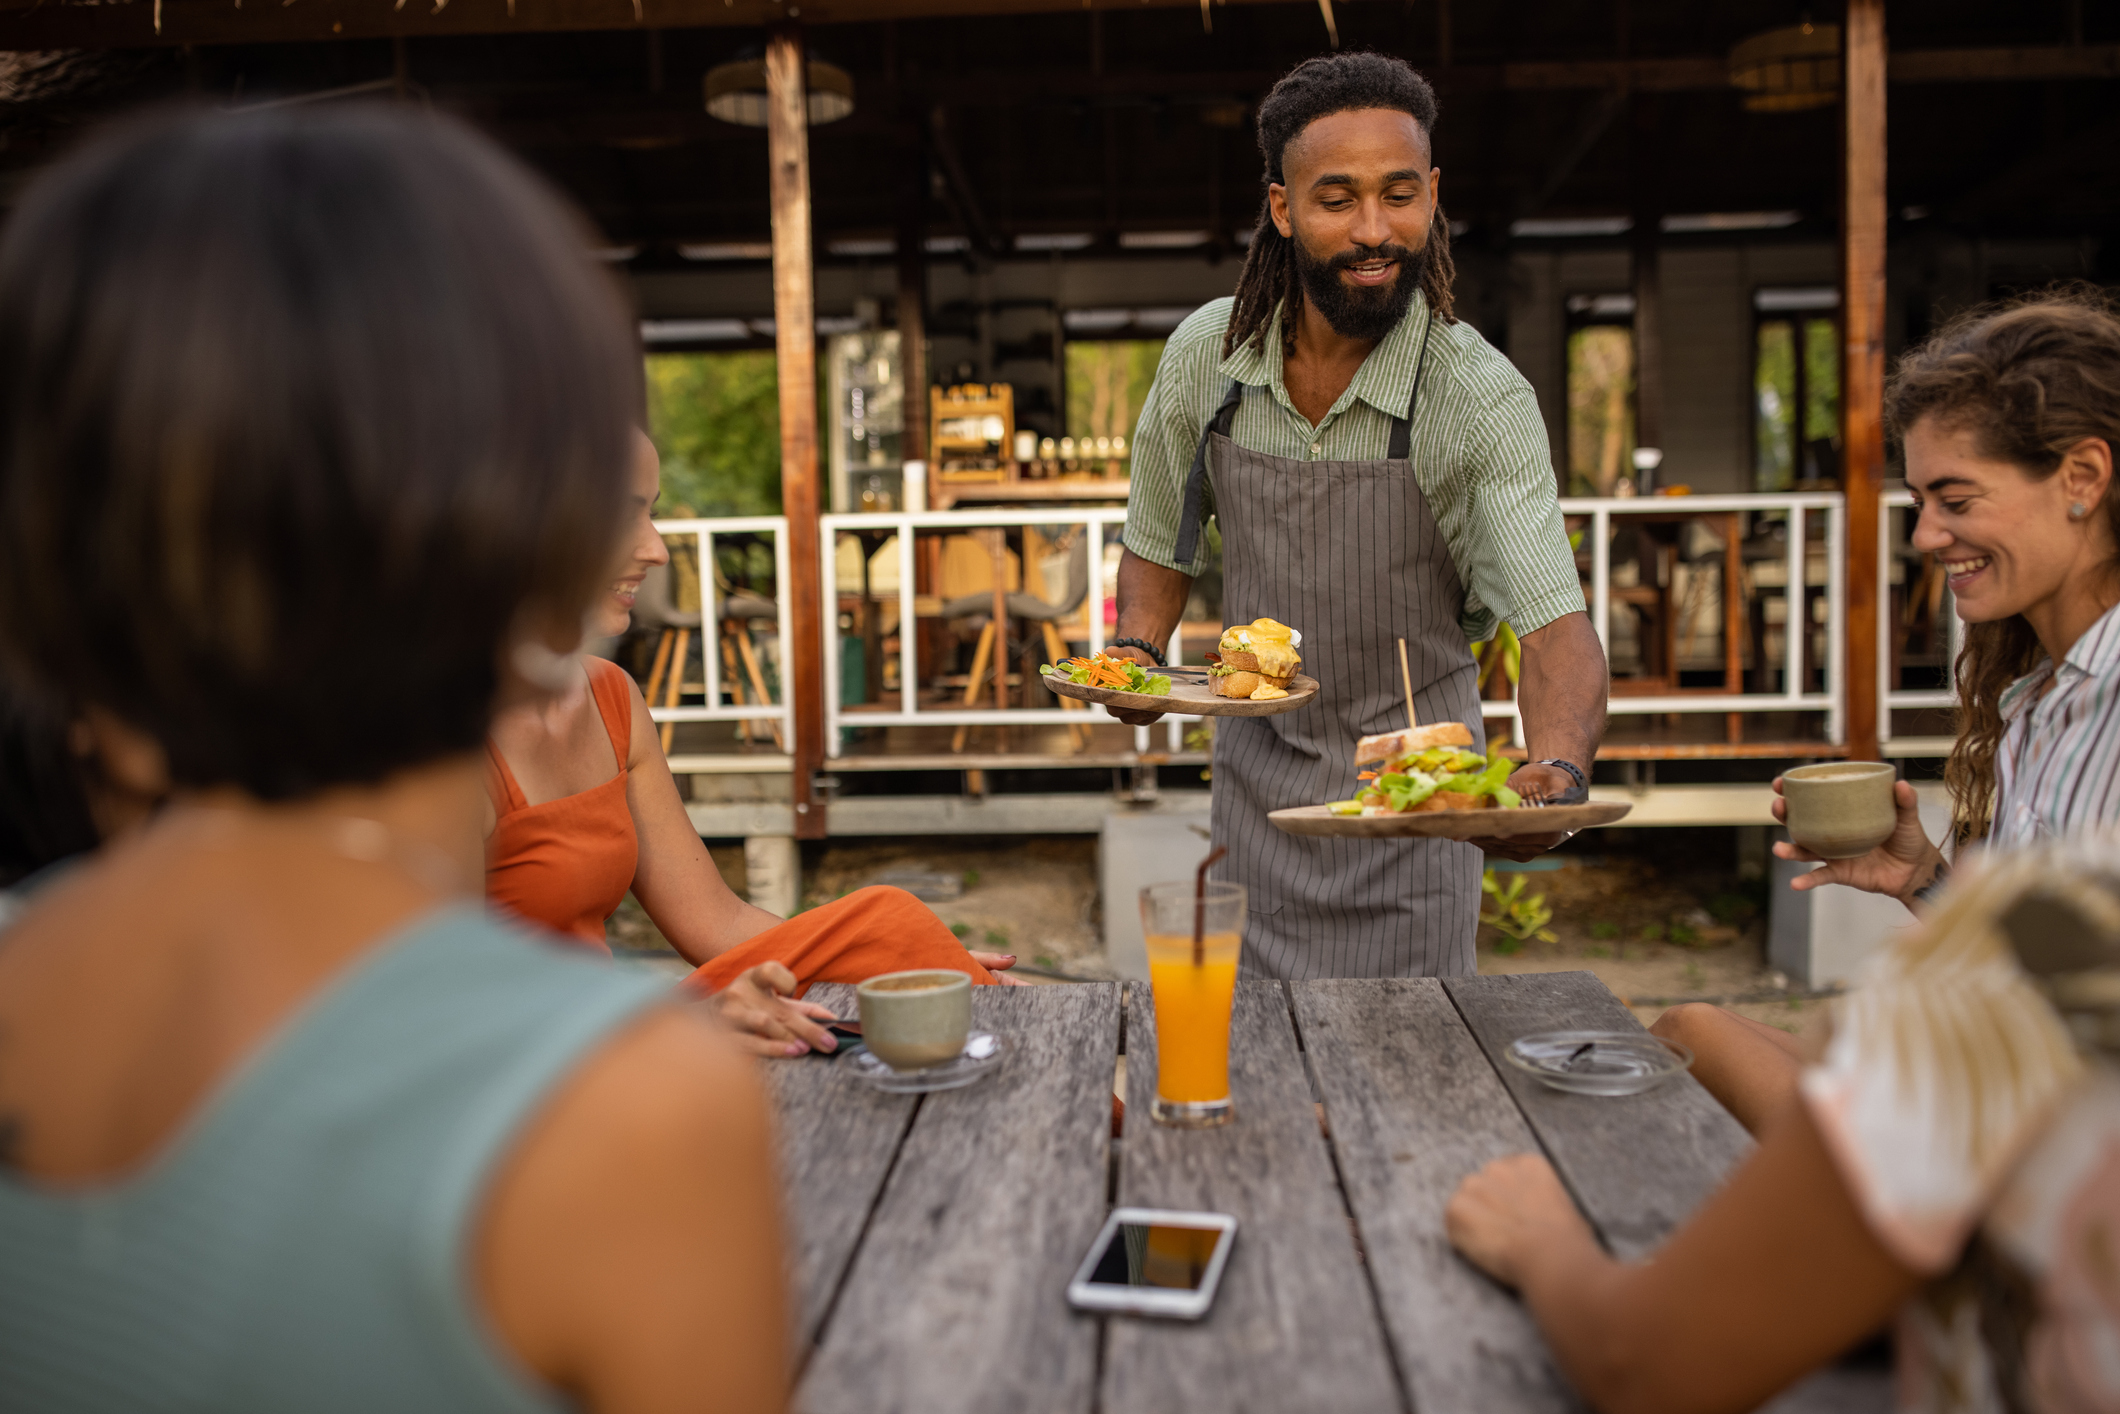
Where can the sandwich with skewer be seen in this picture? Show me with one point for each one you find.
(1427, 768)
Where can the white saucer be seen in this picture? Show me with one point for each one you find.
(982, 1054)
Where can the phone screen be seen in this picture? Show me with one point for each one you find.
(1159, 1255)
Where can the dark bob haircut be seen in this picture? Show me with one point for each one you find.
(303, 415)
(44, 811)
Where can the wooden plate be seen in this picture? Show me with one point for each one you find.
(1450, 824)
(1189, 694)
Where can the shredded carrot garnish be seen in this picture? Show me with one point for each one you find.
(1365, 775)
(1100, 671)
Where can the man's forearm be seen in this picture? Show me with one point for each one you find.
(1151, 599)
(1562, 691)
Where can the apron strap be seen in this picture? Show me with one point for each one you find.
(1402, 427)
(1196, 480)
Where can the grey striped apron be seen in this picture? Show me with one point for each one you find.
(1349, 553)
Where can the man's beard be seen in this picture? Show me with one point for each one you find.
(1367, 313)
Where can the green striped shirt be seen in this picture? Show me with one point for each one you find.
(1478, 445)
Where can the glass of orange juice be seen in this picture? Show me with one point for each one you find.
(1194, 986)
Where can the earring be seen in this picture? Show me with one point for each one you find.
(2075, 510)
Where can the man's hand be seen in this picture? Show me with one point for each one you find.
(760, 1006)
(1150, 601)
(1135, 719)
(1529, 781)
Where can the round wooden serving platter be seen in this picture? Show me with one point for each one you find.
(1450, 824)
(1190, 695)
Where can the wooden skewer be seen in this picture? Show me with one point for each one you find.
(1406, 676)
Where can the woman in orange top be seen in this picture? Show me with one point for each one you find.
(583, 807)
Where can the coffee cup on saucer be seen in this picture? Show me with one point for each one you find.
(913, 1020)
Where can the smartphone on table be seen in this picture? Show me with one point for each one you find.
(1155, 1262)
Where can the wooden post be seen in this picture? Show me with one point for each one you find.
(912, 294)
(1862, 229)
(1648, 286)
(795, 341)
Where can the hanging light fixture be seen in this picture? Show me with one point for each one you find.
(1788, 70)
(736, 92)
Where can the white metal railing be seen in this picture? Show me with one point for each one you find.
(704, 531)
(1102, 522)
(1097, 521)
(1602, 514)
(1798, 508)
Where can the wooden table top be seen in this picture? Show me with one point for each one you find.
(933, 1237)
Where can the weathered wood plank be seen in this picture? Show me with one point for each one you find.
(837, 1140)
(957, 1300)
(1637, 1164)
(1414, 1107)
(1295, 1327)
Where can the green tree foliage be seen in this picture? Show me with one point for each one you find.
(715, 418)
(1600, 408)
(1107, 381)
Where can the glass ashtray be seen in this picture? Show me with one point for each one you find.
(1598, 1062)
(982, 1054)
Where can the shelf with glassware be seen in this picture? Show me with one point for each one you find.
(977, 454)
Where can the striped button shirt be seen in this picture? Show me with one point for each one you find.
(1478, 447)
(2058, 770)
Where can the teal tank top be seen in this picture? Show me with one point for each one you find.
(304, 1242)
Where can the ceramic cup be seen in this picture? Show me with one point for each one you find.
(1840, 809)
(913, 1020)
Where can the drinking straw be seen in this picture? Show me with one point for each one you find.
(1406, 676)
(1200, 905)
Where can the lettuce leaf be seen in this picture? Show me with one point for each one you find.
(1402, 790)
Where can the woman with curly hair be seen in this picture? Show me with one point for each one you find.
(2009, 417)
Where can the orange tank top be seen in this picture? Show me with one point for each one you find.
(567, 863)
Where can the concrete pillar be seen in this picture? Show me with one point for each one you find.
(773, 870)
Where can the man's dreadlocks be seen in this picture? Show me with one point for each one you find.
(1314, 89)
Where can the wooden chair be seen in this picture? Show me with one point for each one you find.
(737, 610)
(1031, 608)
(655, 607)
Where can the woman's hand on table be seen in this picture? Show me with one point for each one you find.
(760, 1007)
(1510, 1211)
(1906, 861)
(998, 963)
(1528, 781)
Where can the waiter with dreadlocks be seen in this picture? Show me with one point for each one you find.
(1377, 470)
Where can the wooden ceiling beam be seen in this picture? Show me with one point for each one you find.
(130, 24)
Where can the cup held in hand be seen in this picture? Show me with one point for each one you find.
(913, 1020)
(1840, 809)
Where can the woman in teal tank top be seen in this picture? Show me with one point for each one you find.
(313, 438)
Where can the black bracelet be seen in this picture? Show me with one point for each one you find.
(1582, 782)
(1927, 892)
(1141, 643)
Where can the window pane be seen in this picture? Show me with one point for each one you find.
(1600, 408)
(1107, 381)
(1821, 376)
(715, 418)
(1774, 407)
